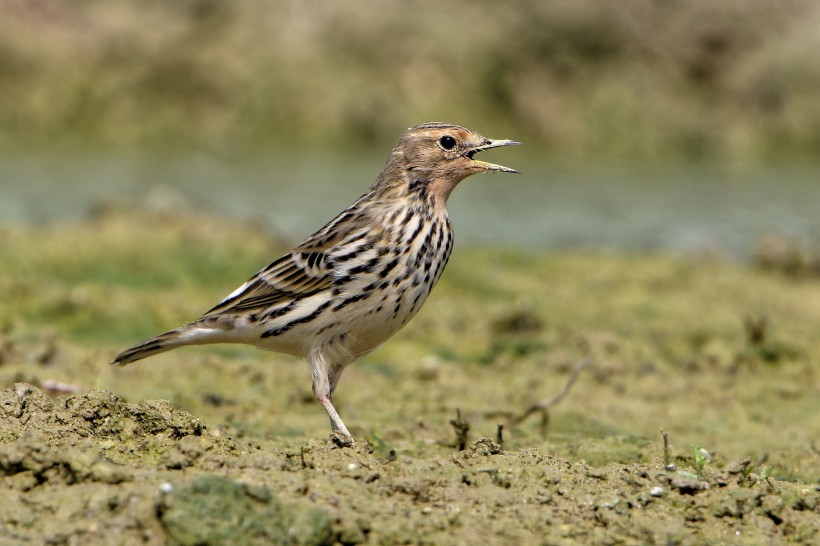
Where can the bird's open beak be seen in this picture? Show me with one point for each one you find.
(489, 143)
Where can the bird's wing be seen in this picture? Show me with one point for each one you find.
(306, 270)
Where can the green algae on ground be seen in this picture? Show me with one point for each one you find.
(678, 344)
(214, 509)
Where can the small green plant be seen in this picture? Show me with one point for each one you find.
(702, 458)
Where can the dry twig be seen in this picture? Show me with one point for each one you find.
(544, 406)
(462, 427)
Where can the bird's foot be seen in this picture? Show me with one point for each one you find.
(340, 439)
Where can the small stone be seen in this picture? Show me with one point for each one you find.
(610, 504)
(657, 491)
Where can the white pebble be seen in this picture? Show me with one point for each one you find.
(657, 491)
(166, 487)
(351, 466)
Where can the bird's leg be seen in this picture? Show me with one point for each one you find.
(342, 435)
(325, 377)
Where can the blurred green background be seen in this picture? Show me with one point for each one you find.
(648, 124)
(640, 80)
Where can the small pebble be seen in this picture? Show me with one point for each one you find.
(166, 487)
(351, 466)
(657, 491)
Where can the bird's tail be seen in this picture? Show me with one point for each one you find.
(155, 345)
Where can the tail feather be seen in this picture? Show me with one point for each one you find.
(155, 345)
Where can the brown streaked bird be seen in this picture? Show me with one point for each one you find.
(357, 281)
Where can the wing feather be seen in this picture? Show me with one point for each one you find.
(306, 270)
(284, 280)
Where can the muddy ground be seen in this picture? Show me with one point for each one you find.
(224, 445)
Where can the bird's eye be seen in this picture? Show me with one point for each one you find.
(447, 142)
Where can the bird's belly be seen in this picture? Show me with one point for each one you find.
(364, 324)
(396, 300)
(370, 326)
(289, 344)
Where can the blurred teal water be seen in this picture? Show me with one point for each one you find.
(680, 210)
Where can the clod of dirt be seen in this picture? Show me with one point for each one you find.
(99, 414)
(34, 463)
(486, 447)
(738, 467)
(83, 438)
(102, 413)
(686, 485)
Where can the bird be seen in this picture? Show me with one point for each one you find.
(358, 280)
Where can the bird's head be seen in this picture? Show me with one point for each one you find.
(435, 157)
